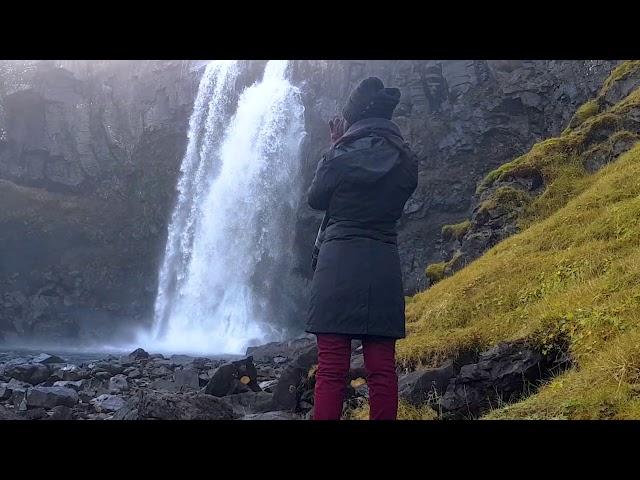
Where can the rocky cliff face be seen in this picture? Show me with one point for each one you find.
(463, 118)
(90, 153)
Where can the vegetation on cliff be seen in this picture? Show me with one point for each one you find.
(570, 279)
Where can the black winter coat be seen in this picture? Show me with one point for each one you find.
(364, 181)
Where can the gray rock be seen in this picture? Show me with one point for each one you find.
(8, 414)
(135, 373)
(49, 397)
(425, 385)
(77, 385)
(118, 384)
(188, 406)
(139, 354)
(286, 350)
(61, 412)
(286, 392)
(33, 373)
(250, 402)
(108, 403)
(187, 378)
(36, 414)
(47, 359)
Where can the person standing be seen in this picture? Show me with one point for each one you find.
(362, 183)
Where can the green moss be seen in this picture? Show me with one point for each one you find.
(435, 271)
(587, 110)
(457, 231)
(574, 277)
(571, 276)
(619, 73)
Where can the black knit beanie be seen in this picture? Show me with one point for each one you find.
(371, 99)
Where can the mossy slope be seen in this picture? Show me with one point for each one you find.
(570, 277)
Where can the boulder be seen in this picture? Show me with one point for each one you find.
(187, 378)
(108, 403)
(135, 373)
(287, 350)
(47, 359)
(33, 373)
(285, 393)
(139, 354)
(425, 385)
(118, 384)
(234, 377)
(77, 385)
(8, 414)
(35, 414)
(49, 397)
(114, 368)
(176, 406)
(61, 412)
(500, 375)
(250, 402)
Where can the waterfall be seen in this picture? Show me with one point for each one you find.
(227, 260)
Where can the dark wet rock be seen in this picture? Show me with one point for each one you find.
(73, 373)
(286, 350)
(49, 397)
(175, 406)
(47, 359)
(275, 415)
(108, 403)
(33, 373)
(8, 414)
(187, 378)
(234, 377)
(61, 412)
(77, 385)
(35, 414)
(250, 402)
(139, 354)
(16, 385)
(502, 374)
(286, 392)
(425, 385)
(114, 368)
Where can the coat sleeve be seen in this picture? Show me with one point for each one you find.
(324, 183)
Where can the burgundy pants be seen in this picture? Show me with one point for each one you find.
(334, 359)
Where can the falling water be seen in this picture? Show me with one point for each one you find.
(229, 240)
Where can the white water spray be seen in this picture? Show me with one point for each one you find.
(230, 232)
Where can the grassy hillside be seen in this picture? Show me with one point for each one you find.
(569, 279)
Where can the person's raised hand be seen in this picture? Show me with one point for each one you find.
(336, 127)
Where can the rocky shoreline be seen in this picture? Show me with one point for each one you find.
(272, 382)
